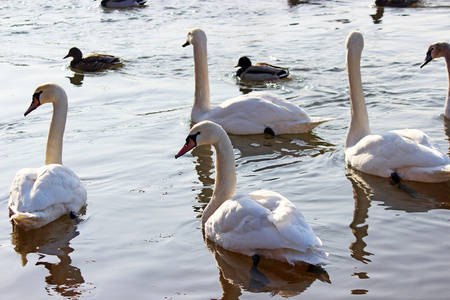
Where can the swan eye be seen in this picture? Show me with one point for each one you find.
(37, 95)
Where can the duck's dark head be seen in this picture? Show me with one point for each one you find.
(75, 53)
(244, 62)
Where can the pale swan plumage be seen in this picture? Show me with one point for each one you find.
(253, 113)
(409, 153)
(441, 49)
(40, 196)
(262, 222)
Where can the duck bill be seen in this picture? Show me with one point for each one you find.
(427, 59)
(186, 44)
(190, 143)
(34, 104)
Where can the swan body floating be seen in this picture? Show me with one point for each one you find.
(93, 62)
(40, 196)
(254, 113)
(122, 3)
(409, 154)
(259, 71)
(262, 222)
(441, 49)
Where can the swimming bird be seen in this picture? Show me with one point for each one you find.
(39, 196)
(409, 154)
(122, 3)
(93, 62)
(259, 71)
(441, 49)
(395, 3)
(262, 222)
(254, 113)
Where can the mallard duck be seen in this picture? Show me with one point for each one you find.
(93, 62)
(259, 71)
(122, 3)
(395, 3)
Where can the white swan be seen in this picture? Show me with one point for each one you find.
(262, 222)
(253, 113)
(441, 49)
(408, 153)
(40, 196)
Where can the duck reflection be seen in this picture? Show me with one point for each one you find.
(406, 196)
(76, 79)
(52, 240)
(239, 272)
(256, 148)
(378, 15)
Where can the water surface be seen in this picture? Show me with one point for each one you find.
(140, 236)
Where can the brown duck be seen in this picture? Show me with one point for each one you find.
(93, 62)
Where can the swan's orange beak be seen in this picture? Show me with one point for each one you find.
(190, 143)
(35, 103)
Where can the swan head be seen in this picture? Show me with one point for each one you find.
(355, 41)
(46, 93)
(244, 62)
(434, 51)
(75, 53)
(203, 133)
(195, 36)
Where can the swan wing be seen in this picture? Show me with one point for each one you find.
(254, 112)
(38, 189)
(260, 220)
(397, 150)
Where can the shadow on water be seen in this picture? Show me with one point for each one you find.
(257, 148)
(407, 196)
(48, 241)
(238, 272)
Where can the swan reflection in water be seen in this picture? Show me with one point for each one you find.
(408, 196)
(239, 272)
(52, 240)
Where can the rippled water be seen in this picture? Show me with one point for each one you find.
(140, 236)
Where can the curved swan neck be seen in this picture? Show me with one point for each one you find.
(359, 123)
(447, 101)
(225, 184)
(201, 97)
(53, 153)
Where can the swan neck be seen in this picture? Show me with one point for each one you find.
(53, 153)
(225, 183)
(447, 101)
(359, 123)
(201, 97)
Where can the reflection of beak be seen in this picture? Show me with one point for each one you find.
(34, 104)
(427, 59)
(190, 143)
(186, 44)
